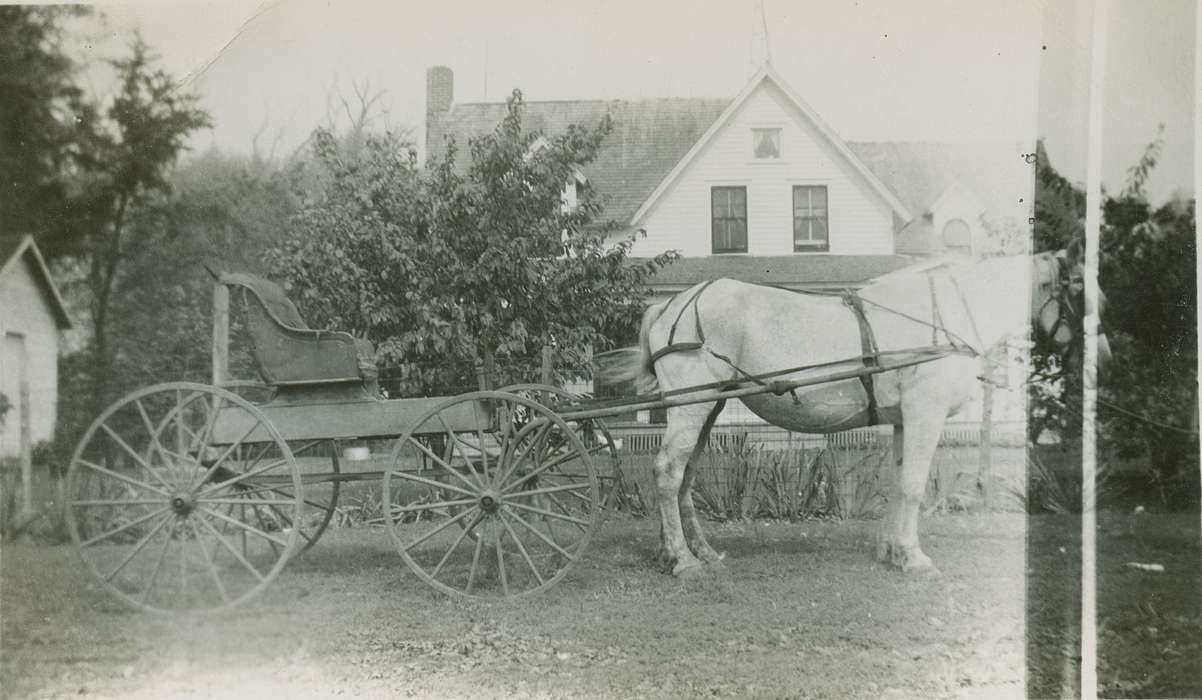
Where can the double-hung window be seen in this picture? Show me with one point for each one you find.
(729, 219)
(811, 219)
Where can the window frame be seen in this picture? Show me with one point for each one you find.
(780, 144)
(825, 246)
(714, 249)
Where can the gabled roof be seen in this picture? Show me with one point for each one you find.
(768, 74)
(16, 247)
(652, 136)
(792, 271)
(648, 138)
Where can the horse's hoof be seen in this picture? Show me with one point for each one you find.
(884, 552)
(716, 562)
(925, 571)
(920, 565)
(692, 570)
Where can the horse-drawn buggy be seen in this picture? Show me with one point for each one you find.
(187, 496)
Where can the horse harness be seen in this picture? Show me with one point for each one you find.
(870, 351)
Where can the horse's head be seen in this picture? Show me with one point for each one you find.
(1058, 302)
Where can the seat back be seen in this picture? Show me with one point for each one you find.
(287, 351)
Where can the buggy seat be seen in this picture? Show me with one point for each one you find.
(288, 352)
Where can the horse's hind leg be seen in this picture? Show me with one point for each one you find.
(680, 440)
(688, 513)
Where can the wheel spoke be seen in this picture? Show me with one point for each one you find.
(535, 443)
(471, 576)
(241, 477)
(240, 501)
(209, 562)
(132, 453)
(564, 459)
(444, 465)
(462, 534)
(462, 451)
(154, 438)
(137, 548)
(548, 514)
(118, 502)
(247, 528)
(449, 522)
(123, 528)
(434, 506)
(432, 482)
(233, 446)
(501, 561)
(232, 549)
(550, 543)
(158, 564)
(549, 489)
(522, 549)
(198, 441)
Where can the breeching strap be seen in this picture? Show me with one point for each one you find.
(674, 346)
(699, 344)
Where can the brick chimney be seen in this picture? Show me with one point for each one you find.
(440, 93)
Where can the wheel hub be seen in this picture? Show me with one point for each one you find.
(182, 503)
(489, 501)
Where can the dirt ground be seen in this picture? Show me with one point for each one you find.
(800, 610)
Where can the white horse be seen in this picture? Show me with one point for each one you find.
(725, 331)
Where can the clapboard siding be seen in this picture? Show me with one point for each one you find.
(860, 222)
(24, 310)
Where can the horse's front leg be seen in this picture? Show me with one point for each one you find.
(891, 524)
(923, 425)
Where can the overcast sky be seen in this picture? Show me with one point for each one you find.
(942, 70)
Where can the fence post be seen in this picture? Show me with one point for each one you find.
(221, 334)
(985, 446)
(547, 370)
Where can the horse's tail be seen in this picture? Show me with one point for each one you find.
(633, 364)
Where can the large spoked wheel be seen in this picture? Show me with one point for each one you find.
(175, 511)
(593, 433)
(491, 495)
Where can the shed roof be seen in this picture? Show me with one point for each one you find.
(14, 247)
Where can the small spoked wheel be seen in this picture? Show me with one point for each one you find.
(183, 497)
(321, 490)
(491, 495)
(593, 433)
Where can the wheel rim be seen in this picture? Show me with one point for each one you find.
(506, 520)
(170, 520)
(320, 494)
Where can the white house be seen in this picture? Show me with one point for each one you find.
(31, 315)
(760, 188)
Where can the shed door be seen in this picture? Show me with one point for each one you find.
(14, 384)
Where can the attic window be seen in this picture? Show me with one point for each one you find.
(765, 143)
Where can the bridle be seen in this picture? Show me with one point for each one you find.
(1062, 282)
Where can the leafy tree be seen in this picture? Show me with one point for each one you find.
(1148, 268)
(42, 114)
(125, 162)
(458, 265)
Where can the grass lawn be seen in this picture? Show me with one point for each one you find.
(801, 609)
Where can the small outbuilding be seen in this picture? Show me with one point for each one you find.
(32, 314)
